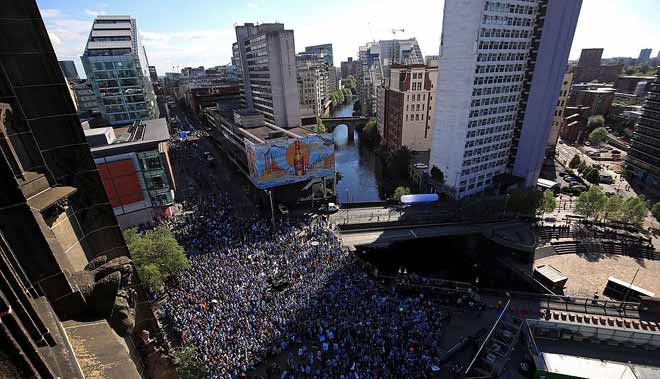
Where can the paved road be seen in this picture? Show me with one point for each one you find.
(391, 214)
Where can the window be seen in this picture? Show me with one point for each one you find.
(416, 117)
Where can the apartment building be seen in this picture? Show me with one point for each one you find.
(496, 94)
(407, 115)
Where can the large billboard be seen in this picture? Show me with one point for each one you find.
(292, 160)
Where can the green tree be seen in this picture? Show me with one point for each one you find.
(598, 135)
(582, 167)
(548, 203)
(369, 133)
(349, 82)
(524, 201)
(399, 161)
(614, 208)
(187, 367)
(333, 99)
(157, 256)
(591, 203)
(340, 96)
(635, 210)
(655, 210)
(347, 94)
(575, 162)
(400, 191)
(592, 175)
(437, 175)
(595, 122)
(320, 126)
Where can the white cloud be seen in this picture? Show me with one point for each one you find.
(54, 39)
(94, 13)
(253, 5)
(45, 13)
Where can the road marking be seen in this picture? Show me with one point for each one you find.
(413, 233)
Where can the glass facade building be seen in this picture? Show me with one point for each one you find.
(113, 64)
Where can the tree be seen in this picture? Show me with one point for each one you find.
(595, 122)
(548, 203)
(187, 367)
(598, 135)
(635, 210)
(575, 162)
(400, 191)
(592, 175)
(655, 210)
(399, 161)
(349, 82)
(591, 203)
(437, 175)
(157, 256)
(320, 126)
(524, 201)
(369, 133)
(347, 94)
(614, 208)
(582, 167)
(340, 96)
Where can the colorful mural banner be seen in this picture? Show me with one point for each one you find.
(292, 160)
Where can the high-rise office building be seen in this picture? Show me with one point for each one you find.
(325, 49)
(117, 70)
(268, 64)
(644, 55)
(153, 74)
(496, 94)
(643, 158)
(69, 70)
(349, 67)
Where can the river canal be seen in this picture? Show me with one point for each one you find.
(356, 165)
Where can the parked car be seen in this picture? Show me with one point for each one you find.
(615, 152)
(329, 208)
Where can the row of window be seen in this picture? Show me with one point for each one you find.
(485, 150)
(478, 80)
(479, 142)
(503, 33)
(500, 57)
(496, 90)
(490, 130)
(491, 111)
(506, 20)
(415, 107)
(503, 45)
(494, 100)
(486, 69)
(416, 118)
(482, 167)
(417, 86)
(485, 158)
(478, 185)
(417, 75)
(420, 97)
(494, 6)
(490, 121)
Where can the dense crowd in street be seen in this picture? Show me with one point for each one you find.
(288, 302)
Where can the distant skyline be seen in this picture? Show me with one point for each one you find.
(177, 34)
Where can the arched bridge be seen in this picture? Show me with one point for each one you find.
(351, 122)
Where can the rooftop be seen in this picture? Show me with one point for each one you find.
(147, 131)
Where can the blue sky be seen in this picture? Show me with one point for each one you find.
(179, 33)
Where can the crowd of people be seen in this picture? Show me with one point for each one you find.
(288, 302)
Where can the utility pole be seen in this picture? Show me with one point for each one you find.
(272, 209)
(629, 288)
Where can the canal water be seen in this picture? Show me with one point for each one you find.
(355, 164)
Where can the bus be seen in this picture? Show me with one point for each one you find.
(624, 291)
